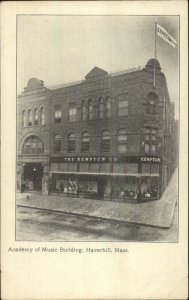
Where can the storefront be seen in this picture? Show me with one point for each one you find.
(108, 178)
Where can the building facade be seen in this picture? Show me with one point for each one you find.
(109, 136)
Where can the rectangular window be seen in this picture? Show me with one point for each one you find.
(39, 147)
(146, 148)
(122, 148)
(64, 167)
(84, 167)
(72, 113)
(146, 168)
(104, 168)
(123, 108)
(71, 145)
(57, 113)
(153, 148)
(131, 168)
(118, 168)
(54, 167)
(154, 168)
(72, 167)
(94, 168)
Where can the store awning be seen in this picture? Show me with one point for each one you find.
(106, 174)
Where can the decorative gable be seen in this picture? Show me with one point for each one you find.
(96, 72)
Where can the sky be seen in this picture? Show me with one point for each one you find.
(62, 49)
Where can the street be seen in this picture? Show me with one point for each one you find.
(40, 225)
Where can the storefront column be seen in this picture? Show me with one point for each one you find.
(19, 177)
(45, 179)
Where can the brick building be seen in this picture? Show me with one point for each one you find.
(109, 136)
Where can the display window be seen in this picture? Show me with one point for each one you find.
(149, 187)
(126, 188)
(87, 186)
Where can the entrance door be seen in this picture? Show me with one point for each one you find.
(33, 173)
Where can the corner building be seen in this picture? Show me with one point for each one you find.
(109, 136)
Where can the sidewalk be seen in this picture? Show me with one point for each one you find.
(156, 213)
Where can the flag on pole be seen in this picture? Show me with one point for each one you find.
(165, 35)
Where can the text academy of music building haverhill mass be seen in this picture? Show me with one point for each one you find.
(109, 136)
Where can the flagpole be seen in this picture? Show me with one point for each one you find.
(155, 50)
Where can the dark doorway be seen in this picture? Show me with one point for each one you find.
(33, 173)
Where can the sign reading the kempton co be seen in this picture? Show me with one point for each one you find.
(90, 159)
(151, 159)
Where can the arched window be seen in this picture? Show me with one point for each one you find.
(29, 117)
(105, 141)
(36, 116)
(71, 142)
(90, 110)
(108, 107)
(85, 142)
(24, 119)
(83, 111)
(42, 116)
(33, 145)
(152, 103)
(122, 141)
(57, 143)
(101, 108)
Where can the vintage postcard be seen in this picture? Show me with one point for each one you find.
(94, 150)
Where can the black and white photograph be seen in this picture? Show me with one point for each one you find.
(97, 153)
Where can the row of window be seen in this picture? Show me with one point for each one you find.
(151, 143)
(33, 117)
(87, 110)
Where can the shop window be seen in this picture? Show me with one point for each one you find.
(84, 167)
(29, 117)
(126, 188)
(90, 110)
(24, 119)
(71, 142)
(152, 103)
(122, 141)
(72, 112)
(118, 168)
(72, 185)
(36, 116)
(57, 143)
(42, 116)
(85, 142)
(33, 145)
(87, 186)
(94, 168)
(108, 108)
(149, 188)
(131, 168)
(83, 111)
(123, 108)
(105, 168)
(105, 141)
(57, 113)
(101, 108)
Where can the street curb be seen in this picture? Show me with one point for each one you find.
(94, 217)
